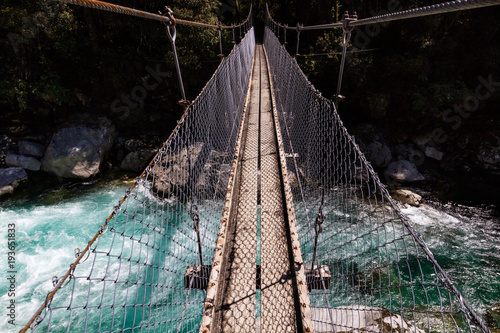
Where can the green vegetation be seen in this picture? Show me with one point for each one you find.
(60, 59)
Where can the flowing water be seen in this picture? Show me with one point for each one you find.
(51, 224)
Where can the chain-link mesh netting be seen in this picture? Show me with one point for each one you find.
(143, 270)
(372, 271)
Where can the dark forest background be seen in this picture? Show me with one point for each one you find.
(403, 80)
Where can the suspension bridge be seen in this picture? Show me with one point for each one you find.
(258, 214)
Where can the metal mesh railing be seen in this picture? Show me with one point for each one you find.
(143, 271)
(372, 271)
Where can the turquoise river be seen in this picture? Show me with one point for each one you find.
(51, 224)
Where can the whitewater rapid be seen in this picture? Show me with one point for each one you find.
(50, 226)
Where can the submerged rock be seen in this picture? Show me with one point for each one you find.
(493, 318)
(357, 319)
(406, 196)
(78, 151)
(378, 154)
(404, 171)
(10, 179)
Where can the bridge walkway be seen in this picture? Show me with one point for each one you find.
(259, 184)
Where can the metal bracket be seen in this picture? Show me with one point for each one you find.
(172, 35)
(299, 26)
(346, 36)
(193, 213)
(284, 33)
(219, 28)
(320, 217)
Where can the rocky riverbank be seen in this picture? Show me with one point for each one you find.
(463, 168)
(81, 148)
(85, 146)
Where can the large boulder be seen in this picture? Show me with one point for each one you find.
(194, 168)
(488, 157)
(10, 179)
(358, 319)
(137, 160)
(25, 162)
(378, 154)
(174, 171)
(403, 171)
(77, 151)
(28, 148)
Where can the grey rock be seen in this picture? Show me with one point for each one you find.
(409, 153)
(433, 153)
(25, 162)
(359, 318)
(493, 316)
(11, 178)
(78, 151)
(423, 139)
(488, 157)
(406, 196)
(6, 190)
(120, 155)
(134, 145)
(137, 160)
(27, 148)
(378, 154)
(404, 171)
(173, 170)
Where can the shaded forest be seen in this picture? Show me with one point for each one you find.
(426, 88)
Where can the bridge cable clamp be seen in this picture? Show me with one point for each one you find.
(55, 281)
(219, 28)
(77, 252)
(37, 321)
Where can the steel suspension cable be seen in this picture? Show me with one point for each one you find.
(446, 7)
(147, 15)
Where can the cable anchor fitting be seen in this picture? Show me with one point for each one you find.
(346, 37)
(172, 35)
(193, 213)
(346, 19)
(318, 227)
(219, 29)
(55, 280)
(299, 26)
(284, 33)
(37, 322)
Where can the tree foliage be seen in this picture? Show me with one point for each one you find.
(58, 57)
(64, 58)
